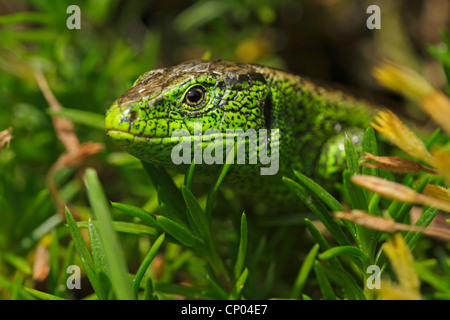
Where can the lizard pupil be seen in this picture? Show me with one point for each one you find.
(195, 96)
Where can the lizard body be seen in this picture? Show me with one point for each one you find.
(311, 120)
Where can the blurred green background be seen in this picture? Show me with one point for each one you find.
(88, 69)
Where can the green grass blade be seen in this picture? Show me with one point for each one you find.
(317, 236)
(167, 210)
(136, 212)
(304, 271)
(181, 234)
(189, 177)
(355, 193)
(324, 285)
(67, 261)
(430, 141)
(25, 17)
(395, 206)
(147, 260)
(239, 285)
(269, 279)
(242, 251)
(42, 295)
(343, 279)
(8, 285)
(217, 288)
(41, 230)
(39, 201)
(169, 194)
(349, 250)
(98, 254)
(404, 210)
(127, 227)
(198, 219)
(425, 219)
(17, 287)
(105, 284)
(17, 262)
(148, 291)
(374, 203)
(370, 146)
(351, 156)
(111, 246)
(320, 192)
(185, 291)
(52, 277)
(319, 210)
(212, 195)
(349, 284)
(201, 225)
(86, 259)
(430, 277)
(215, 189)
(357, 197)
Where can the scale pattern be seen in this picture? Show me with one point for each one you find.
(311, 119)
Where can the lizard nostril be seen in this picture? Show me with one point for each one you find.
(133, 115)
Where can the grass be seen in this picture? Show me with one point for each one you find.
(139, 232)
(338, 264)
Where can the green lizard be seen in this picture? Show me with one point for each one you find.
(312, 120)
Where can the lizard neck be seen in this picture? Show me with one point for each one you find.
(308, 116)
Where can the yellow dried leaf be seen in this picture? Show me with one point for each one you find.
(390, 291)
(442, 162)
(437, 105)
(402, 80)
(402, 262)
(413, 86)
(436, 191)
(388, 124)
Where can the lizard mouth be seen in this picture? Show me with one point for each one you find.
(124, 138)
(119, 127)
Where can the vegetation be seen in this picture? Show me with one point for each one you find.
(68, 196)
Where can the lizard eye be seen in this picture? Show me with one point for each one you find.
(195, 96)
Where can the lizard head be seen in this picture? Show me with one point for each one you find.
(220, 94)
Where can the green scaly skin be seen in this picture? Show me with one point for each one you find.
(312, 120)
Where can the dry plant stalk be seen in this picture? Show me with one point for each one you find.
(5, 137)
(41, 265)
(397, 191)
(413, 86)
(395, 164)
(75, 153)
(388, 225)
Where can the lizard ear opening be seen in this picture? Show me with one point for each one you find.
(268, 111)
